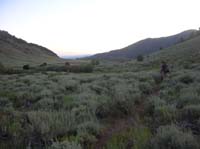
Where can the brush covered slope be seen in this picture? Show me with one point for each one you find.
(15, 51)
(145, 47)
(183, 54)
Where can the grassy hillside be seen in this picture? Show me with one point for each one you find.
(145, 47)
(181, 54)
(119, 105)
(15, 51)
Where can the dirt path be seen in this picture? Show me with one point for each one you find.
(116, 127)
(120, 125)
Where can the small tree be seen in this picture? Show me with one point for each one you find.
(140, 58)
(26, 67)
(95, 62)
(67, 64)
(43, 64)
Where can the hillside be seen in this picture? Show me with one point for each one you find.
(182, 54)
(145, 47)
(15, 51)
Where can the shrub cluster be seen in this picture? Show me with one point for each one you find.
(171, 137)
(85, 68)
(43, 64)
(140, 58)
(26, 67)
(95, 62)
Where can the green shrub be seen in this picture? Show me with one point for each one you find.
(146, 87)
(118, 105)
(43, 64)
(171, 137)
(188, 98)
(152, 103)
(68, 102)
(140, 58)
(13, 97)
(65, 145)
(67, 64)
(187, 79)
(5, 104)
(86, 139)
(83, 68)
(164, 115)
(119, 108)
(136, 138)
(11, 126)
(44, 104)
(86, 68)
(97, 89)
(48, 125)
(190, 113)
(56, 68)
(6, 70)
(26, 67)
(12, 71)
(95, 62)
(90, 126)
(71, 86)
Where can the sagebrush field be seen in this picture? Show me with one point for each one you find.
(104, 104)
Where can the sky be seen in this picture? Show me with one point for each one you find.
(81, 27)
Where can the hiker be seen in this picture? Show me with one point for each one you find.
(164, 70)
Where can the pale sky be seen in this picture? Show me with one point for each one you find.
(73, 27)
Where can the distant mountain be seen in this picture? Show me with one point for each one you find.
(75, 56)
(15, 51)
(146, 46)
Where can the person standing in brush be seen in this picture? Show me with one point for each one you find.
(164, 70)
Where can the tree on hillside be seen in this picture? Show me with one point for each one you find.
(140, 58)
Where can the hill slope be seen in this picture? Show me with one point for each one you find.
(181, 54)
(17, 51)
(145, 47)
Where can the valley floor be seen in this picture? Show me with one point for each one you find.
(117, 106)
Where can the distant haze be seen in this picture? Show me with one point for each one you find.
(75, 56)
(81, 27)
